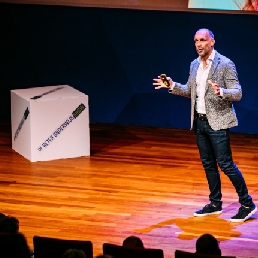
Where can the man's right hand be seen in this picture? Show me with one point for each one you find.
(158, 83)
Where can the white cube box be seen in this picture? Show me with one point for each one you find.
(50, 122)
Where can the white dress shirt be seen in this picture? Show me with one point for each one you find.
(201, 81)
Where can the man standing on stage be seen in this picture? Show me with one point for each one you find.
(213, 86)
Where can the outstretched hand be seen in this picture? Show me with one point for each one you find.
(158, 83)
(215, 87)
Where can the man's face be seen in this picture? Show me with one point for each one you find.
(203, 43)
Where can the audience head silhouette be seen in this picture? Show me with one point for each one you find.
(207, 244)
(133, 241)
(8, 224)
(74, 253)
(14, 245)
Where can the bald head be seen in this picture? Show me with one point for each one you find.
(209, 32)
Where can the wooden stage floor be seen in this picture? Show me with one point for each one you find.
(142, 181)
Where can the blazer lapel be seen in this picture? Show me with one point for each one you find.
(195, 68)
(193, 88)
(194, 73)
(214, 66)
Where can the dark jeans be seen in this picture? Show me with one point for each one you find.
(214, 148)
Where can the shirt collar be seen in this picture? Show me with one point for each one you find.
(210, 58)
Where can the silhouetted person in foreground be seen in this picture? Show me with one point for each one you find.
(207, 244)
(8, 224)
(14, 246)
(133, 241)
(74, 253)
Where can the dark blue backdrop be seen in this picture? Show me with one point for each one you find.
(112, 55)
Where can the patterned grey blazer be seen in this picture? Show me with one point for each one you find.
(219, 110)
